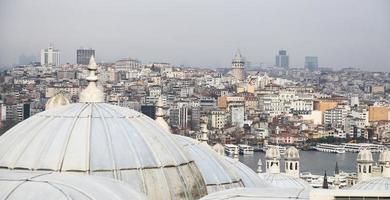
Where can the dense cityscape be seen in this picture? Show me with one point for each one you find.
(240, 103)
(194, 100)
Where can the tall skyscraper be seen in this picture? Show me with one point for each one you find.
(282, 59)
(83, 56)
(238, 64)
(50, 56)
(311, 62)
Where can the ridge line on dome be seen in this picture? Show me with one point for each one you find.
(20, 152)
(109, 140)
(129, 142)
(65, 148)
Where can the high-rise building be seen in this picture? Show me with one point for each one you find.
(311, 63)
(83, 56)
(238, 64)
(282, 59)
(50, 56)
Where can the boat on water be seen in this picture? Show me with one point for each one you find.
(245, 149)
(352, 147)
(231, 149)
(316, 181)
(330, 148)
(282, 149)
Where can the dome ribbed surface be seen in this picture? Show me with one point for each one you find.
(247, 175)
(375, 184)
(105, 140)
(60, 186)
(216, 171)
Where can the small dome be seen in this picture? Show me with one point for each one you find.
(219, 149)
(272, 152)
(57, 100)
(216, 171)
(291, 153)
(384, 156)
(285, 181)
(374, 184)
(365, 156)
(247, 175)
(105, 140)
(273, 193)
(36, 186)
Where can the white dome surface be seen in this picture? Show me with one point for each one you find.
(247, 175)
(291, 153)
(216, 171)
(106, 140)
(374, 184)
(257, 193)
(286, 181)
(272, 152)
(364, 155)
(60, 186)
(57, 100)
(384, 156)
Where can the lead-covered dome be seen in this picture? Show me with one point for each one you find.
(384, 156)
(272, 152)
(286, 181)
(247, 175)
(291, 153)
(50, 185)
(374, 184)
(216, 171)
(105, 140)
(364, 156)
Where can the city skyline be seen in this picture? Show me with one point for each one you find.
(201, 33)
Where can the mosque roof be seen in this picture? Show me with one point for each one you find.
(19, 185)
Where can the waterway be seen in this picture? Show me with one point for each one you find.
(312, 161)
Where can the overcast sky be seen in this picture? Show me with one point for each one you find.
(347, 33)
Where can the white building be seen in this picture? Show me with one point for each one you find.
(50, 57)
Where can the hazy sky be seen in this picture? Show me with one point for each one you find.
(342, 33)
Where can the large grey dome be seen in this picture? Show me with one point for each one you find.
(216, 171)
(106, 140)
(51, 185)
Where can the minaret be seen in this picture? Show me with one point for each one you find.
(92, 94)
(292, 162)
(337, 177)
(160, 114)
(259, 167)
(364, 164)
(325, 182)
(272, 157)
(384, 162)
(238, 64)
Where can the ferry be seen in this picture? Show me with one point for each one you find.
(330, 148)
(231, 149)
(316, 181)
(245, 149)
(282, 149)
(352, 147)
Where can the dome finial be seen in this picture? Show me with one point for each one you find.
(92, 93)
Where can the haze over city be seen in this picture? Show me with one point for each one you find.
(204, 33)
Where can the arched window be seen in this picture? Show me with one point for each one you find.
(296, 166)
(360, 168)
(291, 166)
(381, 168)
(364, 169)
(369, 169)
(267, 165)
